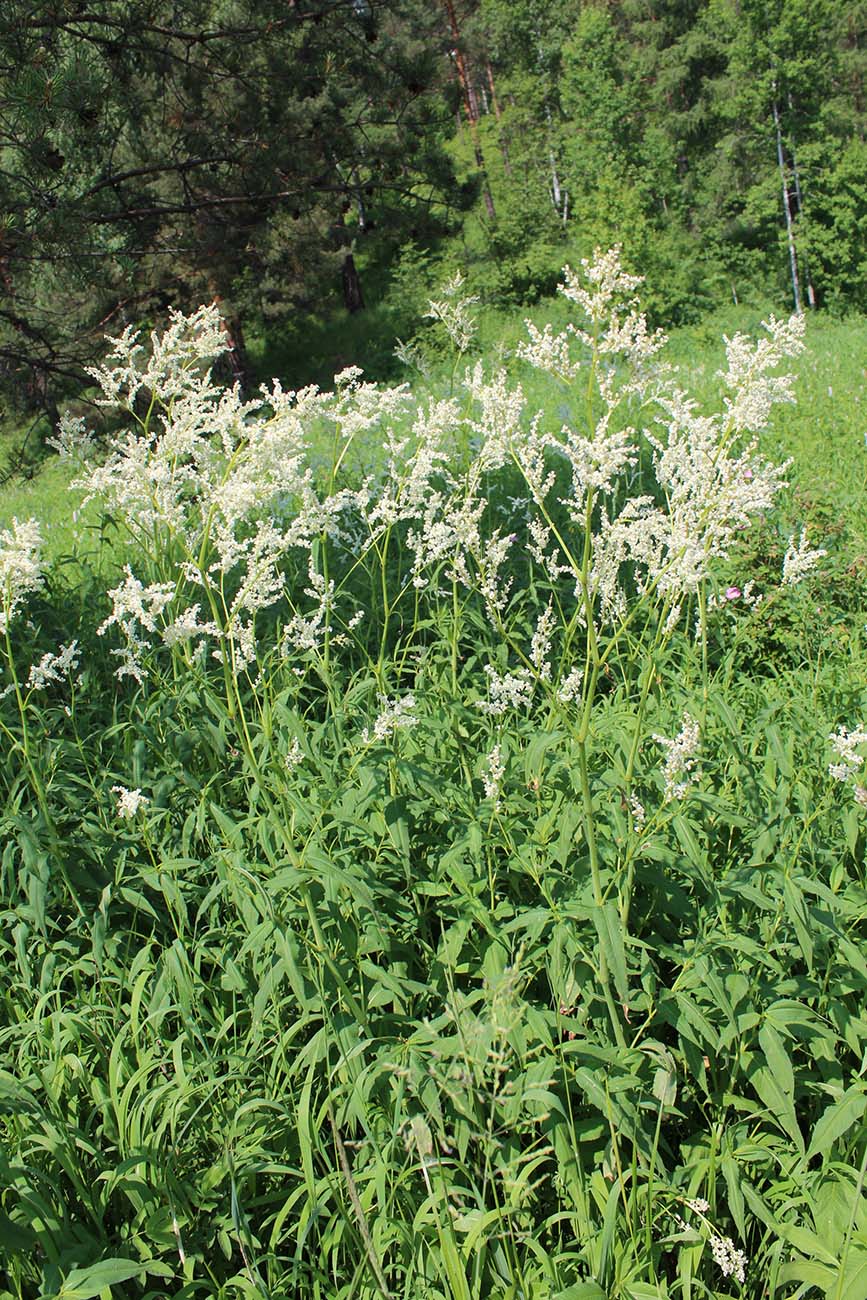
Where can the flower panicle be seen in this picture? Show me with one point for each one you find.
(680, 771)
(397, 713)
(20, 567)
(227, 495)
(847, 766)
(129, 802)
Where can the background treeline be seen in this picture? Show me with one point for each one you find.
(305, 158)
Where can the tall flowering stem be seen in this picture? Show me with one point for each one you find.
(20, 576)
(248, 517)
(643, 556)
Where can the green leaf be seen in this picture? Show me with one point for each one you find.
(16, 1237)
(396, 821)
(609, 1225)
(778, 1102)
(778, 1059)
(454, 1267)
(809, 1244)
(688, 842)
(851, 827)
(84, 1283)
(804, 1270)
(854, 1283)
(836, 1120)
(665, 1087)
(781, 751)
(697, 1020)
(797, 914)
(610, 930)
(759, 1209)
(732, 1175)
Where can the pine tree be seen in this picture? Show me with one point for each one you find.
(162, 151)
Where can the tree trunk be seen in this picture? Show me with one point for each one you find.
(799, 199)
(236, 362)
(495, 103)
(238, 358)
(353, 299)
(787, 208)
(471, 106)
(556, 192)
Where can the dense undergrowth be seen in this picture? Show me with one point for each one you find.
(422, 872)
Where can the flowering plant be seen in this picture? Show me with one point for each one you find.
(413, 813)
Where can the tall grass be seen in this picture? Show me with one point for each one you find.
(423, 875)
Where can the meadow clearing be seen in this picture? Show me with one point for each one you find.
(433, 853)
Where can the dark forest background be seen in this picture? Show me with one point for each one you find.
(309, 163)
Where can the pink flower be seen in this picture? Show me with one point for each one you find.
(732, 593)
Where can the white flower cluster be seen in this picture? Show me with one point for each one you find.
(848, 767)
(53, 667)
(800, 560)
(570, 687)
(605, 293)
(714, 487)
(639, 814)
(711, 479)
(305, 633)
(452, 310)
(74, 441)
(602, 285)
(20, 572)
(396, 714)
(129, 802)
(493, 586)
(225, 496)
(497, 421)
(731, 1261)
(188, 627)
(294, 755)
(754, 390)
(506, 691)
(492, 777)
(680, 770)
(596, 462)
(449, 530)
(550, 352)
(217, 491)
(173, 366)
(540, 645)
(135, 610)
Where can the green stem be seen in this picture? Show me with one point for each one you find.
(454, 655)
(598, 897)
(702, 611)
(33, 773)
(647, 679)
(24, 743)
(382, 556)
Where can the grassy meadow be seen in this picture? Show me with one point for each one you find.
(433, 845)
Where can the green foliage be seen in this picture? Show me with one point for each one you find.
(833, 237)
(325, 1016)
(655, 126)
(164, 154)
(158, 153)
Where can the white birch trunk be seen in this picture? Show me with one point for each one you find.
(787, 208)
